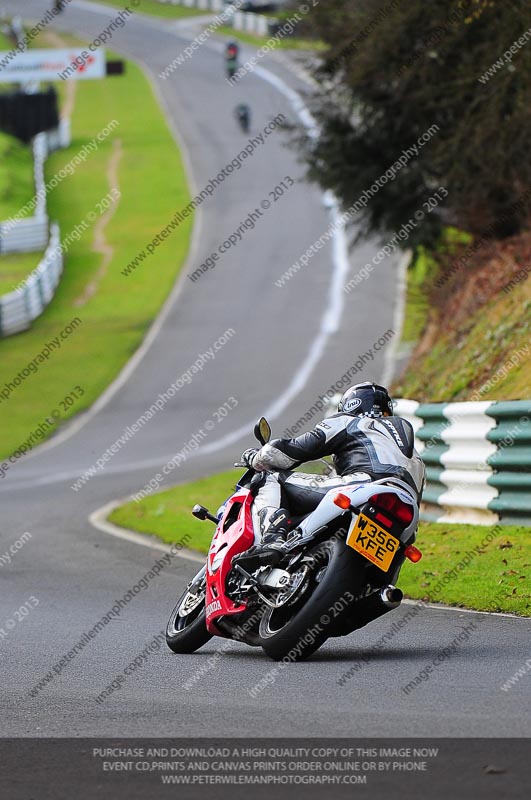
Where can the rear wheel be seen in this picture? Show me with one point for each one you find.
(186, 630)
(328, 588)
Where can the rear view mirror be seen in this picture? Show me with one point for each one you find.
(262, 430)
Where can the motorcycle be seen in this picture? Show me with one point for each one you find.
(242, 112)
(328, 583)
(232, 53)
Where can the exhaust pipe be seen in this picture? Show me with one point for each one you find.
(391, 596)
(371, 607)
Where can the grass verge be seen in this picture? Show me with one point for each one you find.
(16, 175)
(15, 268)
(496, 579)
(463, 361)
(286, 43)
(155, 9)
(116, 316)
(16, 189)
(421, 272)
(167, 514)
(471, 328)
(5, 41)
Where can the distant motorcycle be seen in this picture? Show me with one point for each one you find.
(232, 53)
(328, 583)
(242, 113)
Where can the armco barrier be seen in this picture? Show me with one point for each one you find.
(477, 457)
(24, 236)
(249, 22)
(256, 24)
(19, 308)
(30, 234)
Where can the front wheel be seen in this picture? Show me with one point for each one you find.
(186, 630)
(297, 629)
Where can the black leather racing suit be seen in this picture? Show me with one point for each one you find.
(363, 449)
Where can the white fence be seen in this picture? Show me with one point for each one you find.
(249, 22)
(19, 308)
(25, 236)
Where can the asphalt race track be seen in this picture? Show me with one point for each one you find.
(77, 572)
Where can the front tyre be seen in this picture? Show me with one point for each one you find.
(186, 630)
(297, 629)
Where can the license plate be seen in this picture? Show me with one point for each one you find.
(373, 542)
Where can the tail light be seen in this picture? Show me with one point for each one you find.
(394, 505)
(413, 553)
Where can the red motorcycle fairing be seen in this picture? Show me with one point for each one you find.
(234, 534)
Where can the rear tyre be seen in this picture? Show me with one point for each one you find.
(295, 631)
(186, 630)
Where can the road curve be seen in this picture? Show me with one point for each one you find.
(77, 573)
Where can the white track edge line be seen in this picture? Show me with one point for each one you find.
(98, 519)
(398, 318)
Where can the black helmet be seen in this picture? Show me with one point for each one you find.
(366, 400)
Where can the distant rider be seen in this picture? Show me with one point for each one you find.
(243, 115)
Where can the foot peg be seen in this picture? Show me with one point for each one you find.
(259, 556)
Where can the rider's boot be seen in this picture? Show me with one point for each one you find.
(270, 550)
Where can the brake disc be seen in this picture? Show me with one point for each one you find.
(190, 602)
(298, 584)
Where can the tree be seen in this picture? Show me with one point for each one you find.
(397, 68)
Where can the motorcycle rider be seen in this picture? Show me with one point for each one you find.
(243, 115)
(232, 52)
(367, 443)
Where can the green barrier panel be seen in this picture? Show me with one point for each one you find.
(430, 433)
(511, 463)
(512, 460)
